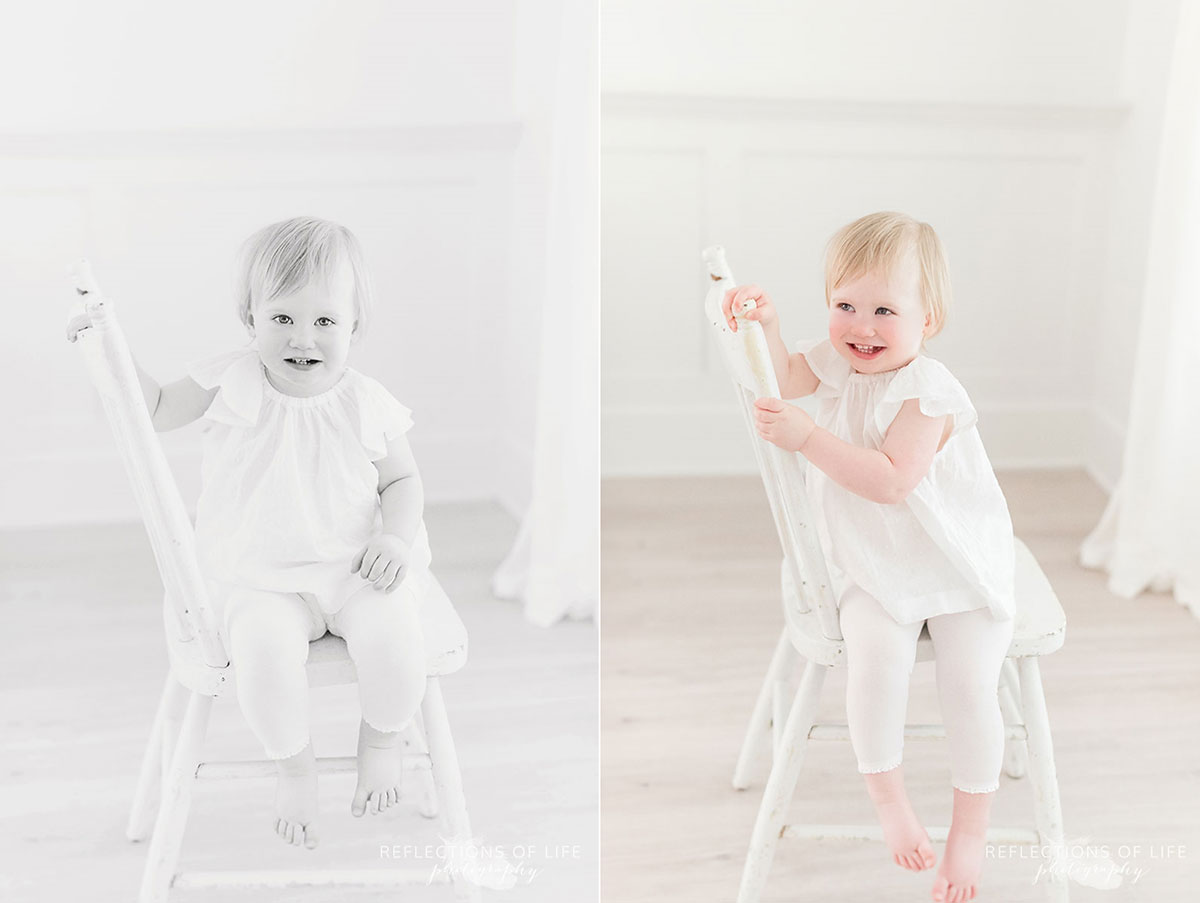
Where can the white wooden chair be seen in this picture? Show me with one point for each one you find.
(812, 636)
(200, 670)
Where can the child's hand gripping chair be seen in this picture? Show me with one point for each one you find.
(813, 636)
(200, 671)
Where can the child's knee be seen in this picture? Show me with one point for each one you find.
(873, 654)
(258, 640)
(401, 664)
(388, 637)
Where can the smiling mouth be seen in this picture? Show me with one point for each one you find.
(866, 350)
(302, 363)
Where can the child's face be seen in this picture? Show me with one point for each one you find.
(303, 338)
(877, 324)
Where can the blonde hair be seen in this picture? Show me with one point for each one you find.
(879, 242)
(285, 257)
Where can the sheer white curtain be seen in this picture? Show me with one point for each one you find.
(554, 566)
(1149, 536)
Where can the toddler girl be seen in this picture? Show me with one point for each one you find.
(913, 523)
(310, 515)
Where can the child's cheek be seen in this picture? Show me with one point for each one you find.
(837, 324)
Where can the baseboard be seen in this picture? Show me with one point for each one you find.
(90, 486)
(709, 439)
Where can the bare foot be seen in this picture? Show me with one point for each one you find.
(958, 875)
(296, 798)
(902, 831)
(379, 771)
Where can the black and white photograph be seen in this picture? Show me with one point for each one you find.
(299, 513)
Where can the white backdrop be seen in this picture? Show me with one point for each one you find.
(1029, 142)
(153, 143)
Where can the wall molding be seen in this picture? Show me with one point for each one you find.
(439, 138)
(715, 106)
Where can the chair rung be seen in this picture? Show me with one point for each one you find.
(911, 732)
(375, 877)
(875, 832)
(265, 768)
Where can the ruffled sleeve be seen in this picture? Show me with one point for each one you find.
(238, 375)
(380, 416)
(937, 391)
(829, 366)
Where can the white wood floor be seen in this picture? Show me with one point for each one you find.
(82, 661)
(691, 615)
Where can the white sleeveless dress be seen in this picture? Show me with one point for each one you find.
(948, 547)
(290, 494)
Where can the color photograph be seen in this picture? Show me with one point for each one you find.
(911, 612)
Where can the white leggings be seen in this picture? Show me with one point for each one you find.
(267, 636)
(969, 649)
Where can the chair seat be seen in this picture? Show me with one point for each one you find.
(329, 662)
(1039, 628)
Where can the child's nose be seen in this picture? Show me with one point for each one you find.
(301, 338)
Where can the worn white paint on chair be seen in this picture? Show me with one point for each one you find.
(811, 635)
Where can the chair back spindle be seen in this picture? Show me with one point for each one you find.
(111, 370)
(748, 362)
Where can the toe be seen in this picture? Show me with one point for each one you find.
(392, 796)
(310, 836)
(359, 804)
(939, 890)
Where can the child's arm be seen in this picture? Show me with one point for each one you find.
(385, 556)
(796, 379)
(176, 404)
(170, 407)
(885, 475)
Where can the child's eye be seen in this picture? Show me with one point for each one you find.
(282, 319)
(845, 305)
(325, 321)
(882, 310)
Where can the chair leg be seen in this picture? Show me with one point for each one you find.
(171, 726)
(163, 853)
(772, 812)
(1047, 805)
(448, 778)
(414, 742)
(141, 813)
(1015, 751)
(761, 719)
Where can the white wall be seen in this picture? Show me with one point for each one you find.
(1022, 51)
(1010, 128)
(154, 143)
